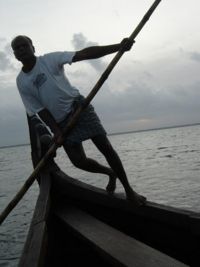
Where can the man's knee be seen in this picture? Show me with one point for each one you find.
(77, 161)
(76, 155)
(101, 141)
(104, 145)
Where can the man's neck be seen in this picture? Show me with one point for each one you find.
(29, 64)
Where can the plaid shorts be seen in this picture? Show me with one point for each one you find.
(87, 126)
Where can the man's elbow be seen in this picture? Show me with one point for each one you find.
(79, 55)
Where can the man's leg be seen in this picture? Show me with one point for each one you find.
(79, 159)
(105, 147)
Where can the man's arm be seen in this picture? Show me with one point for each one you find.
(100, 51)
(46, 116)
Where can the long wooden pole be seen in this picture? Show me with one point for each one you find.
(76, 115)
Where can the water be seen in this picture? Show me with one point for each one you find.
(163, 165)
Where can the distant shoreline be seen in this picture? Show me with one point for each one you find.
(127, 132)
(155, 129)
(9, 146)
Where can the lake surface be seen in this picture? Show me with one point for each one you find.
(163, 165)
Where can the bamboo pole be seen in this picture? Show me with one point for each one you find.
(76, 115)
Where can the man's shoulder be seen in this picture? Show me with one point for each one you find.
(58, 57)
(52, 54)
(55, 54)
(49, 57)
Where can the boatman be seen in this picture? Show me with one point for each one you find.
(46, 91)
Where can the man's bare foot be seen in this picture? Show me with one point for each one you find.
(136, 198)
(111, 186)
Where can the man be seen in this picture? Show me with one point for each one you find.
(46, 91)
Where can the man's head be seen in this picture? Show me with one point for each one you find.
(22, 47)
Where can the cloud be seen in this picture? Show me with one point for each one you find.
(140, 107)
(79, 42)
(2, 39)
(5, 63)
(138, 94)
(195, 56)
(146, 94)
(141, 95)
(6, 56)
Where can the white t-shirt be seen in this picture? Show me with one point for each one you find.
(46, 86)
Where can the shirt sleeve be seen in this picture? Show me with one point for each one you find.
(59, 58)
(67, 57)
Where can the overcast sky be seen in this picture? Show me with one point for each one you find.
(156, 84)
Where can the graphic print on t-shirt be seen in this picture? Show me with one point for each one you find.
(40, 80)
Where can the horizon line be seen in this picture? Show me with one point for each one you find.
(126, 132)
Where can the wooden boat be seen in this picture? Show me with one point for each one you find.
(77, 224)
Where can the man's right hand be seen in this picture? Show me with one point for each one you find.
(126, 44)
(46, 116)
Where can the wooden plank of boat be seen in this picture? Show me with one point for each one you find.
(117, 248)
(172, 231)
(34, 251)
(70, 188)
(113, 211)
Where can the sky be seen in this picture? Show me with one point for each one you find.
(156, 84)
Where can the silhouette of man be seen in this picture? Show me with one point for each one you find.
(46, 91)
